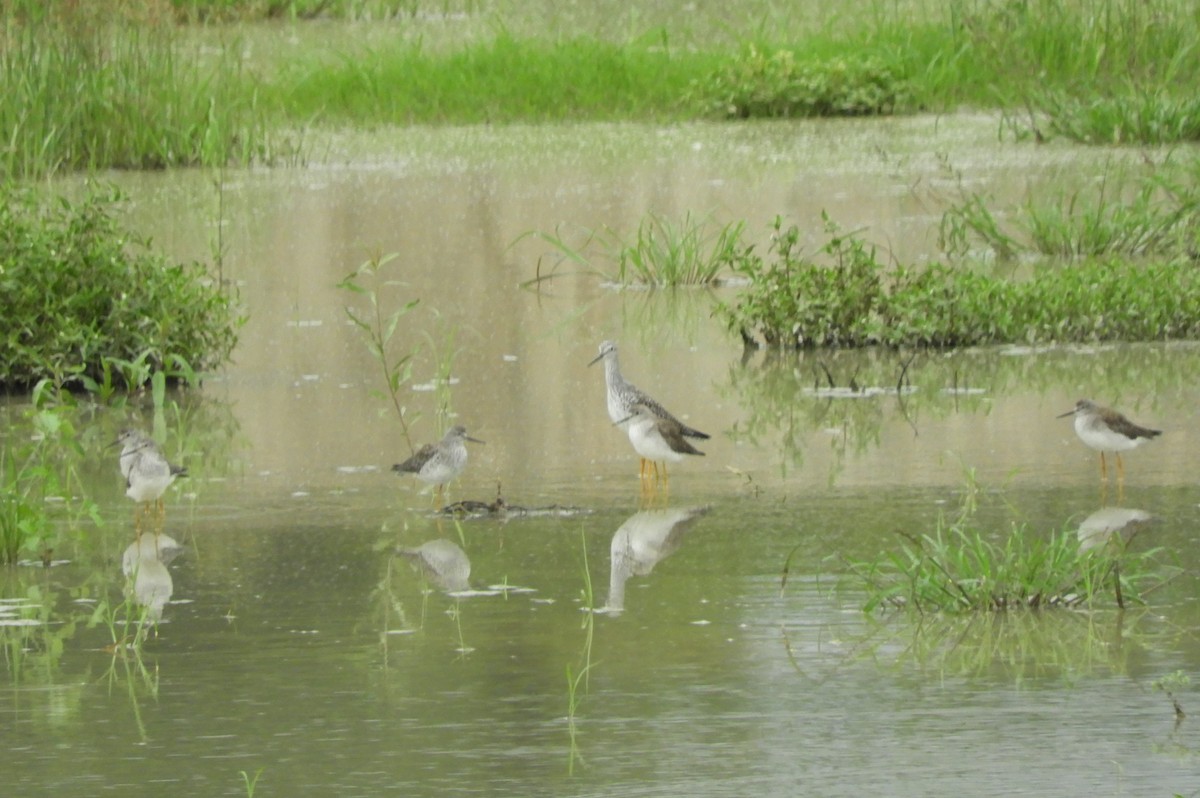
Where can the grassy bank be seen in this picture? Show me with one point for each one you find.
(156, 84)
(99, 87)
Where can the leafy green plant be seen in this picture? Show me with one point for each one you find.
(83, 295)
(759, 84)
(377, 331)
(849, 298)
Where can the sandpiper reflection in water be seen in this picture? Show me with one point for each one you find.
(644, 540)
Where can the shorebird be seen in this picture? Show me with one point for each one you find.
(623, 399)
(1106, 430)
(147, 474)
(657, 439)
(439, 463)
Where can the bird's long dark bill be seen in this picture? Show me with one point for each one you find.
(472, 440)
(1064, 415)
(597, 358)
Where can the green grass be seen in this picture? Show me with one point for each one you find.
(661, 253)
(1152, 214)
(100, 85)
(501, 80)
(960, 568)
(97, 90)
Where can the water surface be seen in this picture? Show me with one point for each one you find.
(322, 626)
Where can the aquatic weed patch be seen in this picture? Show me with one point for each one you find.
(960, 568)
(83, 295)
(761, 85)
(661, 252)
(1156, 214)
(845, 296)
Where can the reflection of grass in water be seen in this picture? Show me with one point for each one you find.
(783, 398)
(1024, 644)
(578, 682)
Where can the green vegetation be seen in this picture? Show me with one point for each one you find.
(86, 300)
(107, 85)
(37, 474)
(661, 253)
(1152, 215)
(850, 298)
(377, 332)
(96, 85)
(757, 85)
(961, 568)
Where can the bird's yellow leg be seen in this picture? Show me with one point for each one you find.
(1120, 469)
(1103, 469)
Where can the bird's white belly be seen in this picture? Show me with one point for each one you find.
(1102, 438)
(646, 440)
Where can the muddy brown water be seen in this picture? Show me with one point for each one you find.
(320, 627)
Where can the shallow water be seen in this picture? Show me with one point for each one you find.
(324, 628)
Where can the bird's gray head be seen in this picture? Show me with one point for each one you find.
(129, 438)
(606, 348)
(1082, 406)
(459, 432)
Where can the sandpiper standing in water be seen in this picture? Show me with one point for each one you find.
(439, 463)
(657, 439)
(628, 404)
(147, 474)
(1106, 430)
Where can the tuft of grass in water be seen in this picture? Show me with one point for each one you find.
(662, 253)
(1140, 216)
(960, 568)
(1169, 685)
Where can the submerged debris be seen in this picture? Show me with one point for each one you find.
(471, 508)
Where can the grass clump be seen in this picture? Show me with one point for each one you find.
(100, 85)
(662, 253)
(1156, 215)
(83, 296)
(959, 568)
